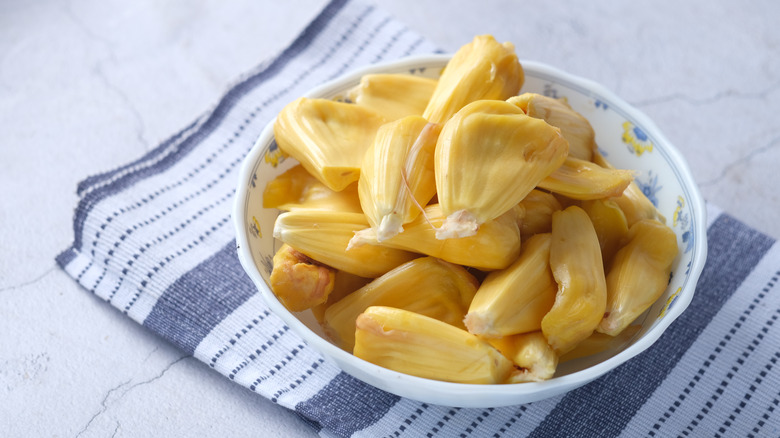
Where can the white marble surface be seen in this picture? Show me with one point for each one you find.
(88, 85)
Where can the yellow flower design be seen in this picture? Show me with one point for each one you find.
(255, 228)
(669, 302)
(636, 139)
(274, 155)
(682, 220)
(678, 210)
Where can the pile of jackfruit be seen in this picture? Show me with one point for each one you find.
(457, 230)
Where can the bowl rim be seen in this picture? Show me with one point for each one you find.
(505, 394)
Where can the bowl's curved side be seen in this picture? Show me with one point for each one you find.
(630, 139)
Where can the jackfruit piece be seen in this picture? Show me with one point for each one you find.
(393, 95)
(489, 156)
(636, 206)
(495, 245)
(539, 207)
(481, 69)
(324, 235)
(639, 274)
(297, 188)
(584, 180)
(421, 346)
(328, 138)
(343, 285)
(633, 201)
(600, 342)
(610, 225)
(514, 300)
(575, 128)
(534, 359)
(575, 259)
(397, 174)
(298, 281)
(427, 285)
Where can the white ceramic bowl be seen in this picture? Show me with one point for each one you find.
(625, 136)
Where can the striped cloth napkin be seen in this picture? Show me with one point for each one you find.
(154, 238)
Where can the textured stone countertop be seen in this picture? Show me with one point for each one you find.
(88, 85)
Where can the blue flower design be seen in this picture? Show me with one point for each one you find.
(268, 263)
(682, 220)
(274, 155)
(639, 134)
(650, 187)
(254, 228)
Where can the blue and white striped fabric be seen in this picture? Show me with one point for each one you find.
(154, 239)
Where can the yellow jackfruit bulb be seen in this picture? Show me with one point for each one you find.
(396, 177)
(534, 359)
(489, 156)
(585, 180)
(539, 207)
(324, 235)
(636, 205)
(392, 95)
(514, 300)
(343, 285)
(610, 225)
(633, 201)
(575, 128)
(425, 347)
(639, 274)
(575, 259)
(481, 69)
(427, 285)
(298, 281)
(328, 138)
(495, 246)
(600, 342)
(297, 188)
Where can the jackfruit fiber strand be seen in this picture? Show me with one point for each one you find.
(396, 177)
